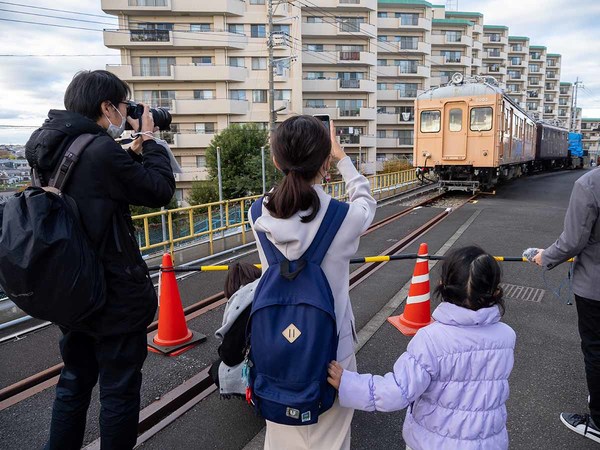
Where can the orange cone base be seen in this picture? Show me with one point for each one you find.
(407, 327)
(171, 348)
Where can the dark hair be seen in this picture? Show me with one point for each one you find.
(89, 89)
(471, 279)
(238, 275)
(300, 145)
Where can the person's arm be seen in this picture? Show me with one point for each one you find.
(581, 215)
(395, 390)
(231, 350)
(362, 203)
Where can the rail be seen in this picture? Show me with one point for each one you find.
(171, 228)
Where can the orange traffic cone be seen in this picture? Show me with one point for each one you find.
(173, 336)
(417, 313)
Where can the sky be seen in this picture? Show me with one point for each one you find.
(31, 85)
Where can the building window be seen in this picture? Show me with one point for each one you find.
(315, 47)
(534, 67)
(259, 63)
(516, 47)
(315, 75)
(430, 121)
(406, 66)
(237, 94)
(200, 27)
(204, 94)
(382, 38)
(281, 29)
(156, 67)
(314, 103)
(158, 99)
(514, 74)
(382, 14)
(451, 56)
(535, 55)
(453, 36)
(259, 96)
(382, 62)
(257, 2)
(283, 94)
(406, 89)
(481, 119)
(258, 31)
(237, 28)
(202, 60)
(515, 60)
(493, 37)
(349, 108)
(495, 68)
(493, 53)
(407, 18)
(200, 162)
(381, 134)
(405, 137)
(408, 42)
(314, 19)
(205, 128)
(236, 61)
(406, 113)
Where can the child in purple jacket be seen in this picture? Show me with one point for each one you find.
(453, 376)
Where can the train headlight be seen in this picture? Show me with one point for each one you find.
(485, 153)
(457, 78)
(426, 154)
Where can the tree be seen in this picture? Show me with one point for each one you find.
(241, 169)
(396, 165)
(203, 192)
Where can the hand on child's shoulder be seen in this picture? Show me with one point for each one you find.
(335, 374)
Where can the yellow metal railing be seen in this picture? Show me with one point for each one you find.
(165, 229)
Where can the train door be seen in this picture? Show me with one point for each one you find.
(454, 145)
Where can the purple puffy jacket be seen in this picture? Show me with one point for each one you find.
(454, 375)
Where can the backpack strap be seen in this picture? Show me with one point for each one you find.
(272, 253)
(70, 158)
(335, 215)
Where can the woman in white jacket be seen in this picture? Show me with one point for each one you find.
(303, 150)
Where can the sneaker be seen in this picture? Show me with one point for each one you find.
(582, 424)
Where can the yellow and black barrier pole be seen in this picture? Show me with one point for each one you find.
(364, 260)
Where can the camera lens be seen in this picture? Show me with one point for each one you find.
(162, 118)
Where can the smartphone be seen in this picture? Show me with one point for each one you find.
(325, 120)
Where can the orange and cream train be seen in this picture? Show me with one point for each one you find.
(470, 134)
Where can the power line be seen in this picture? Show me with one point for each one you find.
(53, 9)
(55, 55)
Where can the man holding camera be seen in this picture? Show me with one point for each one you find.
(110, 344)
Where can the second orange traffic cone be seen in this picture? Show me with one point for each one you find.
(173, 336)
(417, 312)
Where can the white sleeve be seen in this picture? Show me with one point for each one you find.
(362, 203)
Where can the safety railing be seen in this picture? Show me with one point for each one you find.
(171, 228)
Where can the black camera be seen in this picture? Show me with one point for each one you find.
(162, 117)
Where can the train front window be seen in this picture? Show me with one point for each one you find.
(430, 121)
(455, 122)
(481, 119)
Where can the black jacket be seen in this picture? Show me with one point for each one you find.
(105, 181)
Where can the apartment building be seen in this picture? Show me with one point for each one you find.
(403, 70)
(517, 70)
(552, 86)
(339, 76)
(477, 32)
(495, 52)
(565, 103)
(361, 61)
(536, 80)
(590, 130)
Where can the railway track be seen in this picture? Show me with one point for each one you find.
(164, 410)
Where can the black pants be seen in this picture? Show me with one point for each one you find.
(588, 312)
(117, 361)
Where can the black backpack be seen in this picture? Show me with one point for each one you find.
(48, 266)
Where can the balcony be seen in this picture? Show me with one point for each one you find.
(441, 39)
(340, 58)
(159, 7)
(214, 106)
(398, 71)
(192, 140)
(476, 62)
(344, 114)
(541, 58)
(362, 140)
(396, 47)
(477, 28)
(395, 119)
(477, 45)
(189, 72)
(502, 40)
(524, 50)
(341, 29)
(551, 88)
(553, 76)
(393, 94)
(338, 85)
(393, 143)
(495, 55)
(500, 71)
(439, 60)
(522, 64)
(392, 23)
(348, 5)
(162, 39)
(191, 174)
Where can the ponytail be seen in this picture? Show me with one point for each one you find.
(300, 147)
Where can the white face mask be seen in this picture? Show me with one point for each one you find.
(114, 131)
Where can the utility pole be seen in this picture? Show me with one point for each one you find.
(573, 124)
(271, 66)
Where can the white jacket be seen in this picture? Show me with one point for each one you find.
(292, 238)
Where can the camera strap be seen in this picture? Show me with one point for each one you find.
(70, 158)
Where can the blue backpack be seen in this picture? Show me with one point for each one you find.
(292, 329)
